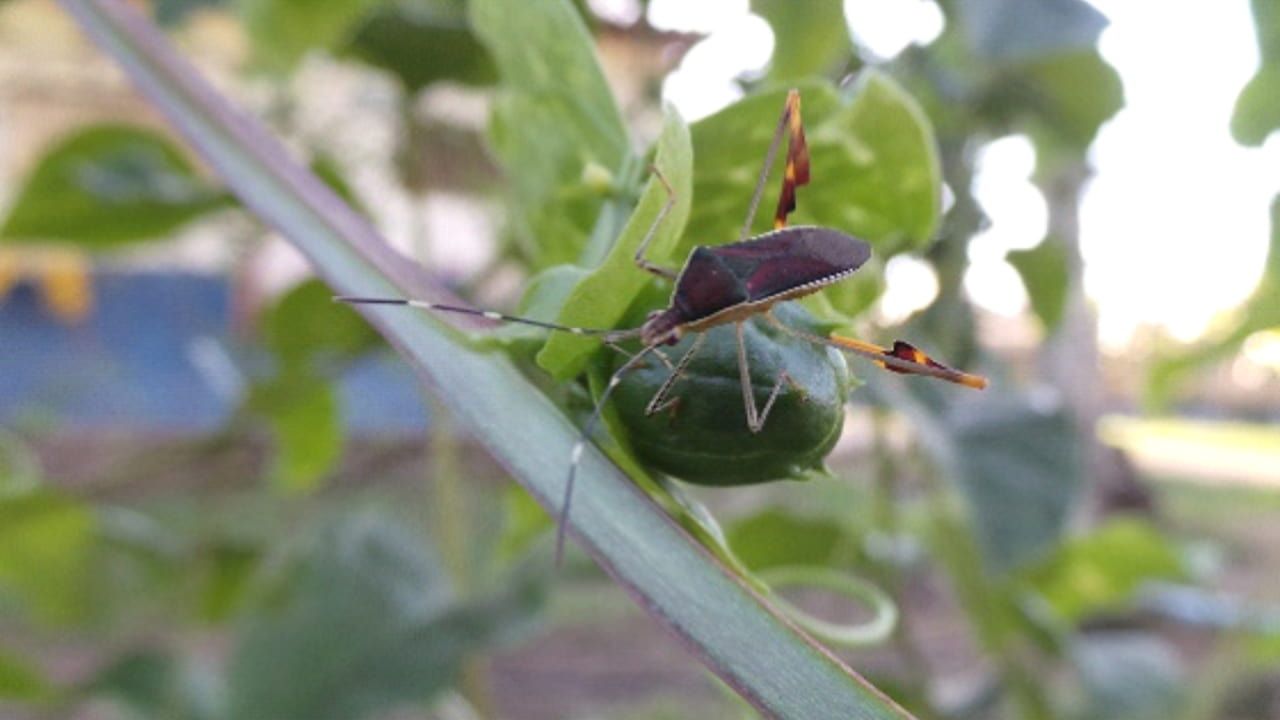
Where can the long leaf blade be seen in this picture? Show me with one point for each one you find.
(734, 631)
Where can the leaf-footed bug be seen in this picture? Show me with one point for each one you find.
(732, 283)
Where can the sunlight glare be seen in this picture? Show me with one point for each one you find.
(1019, 220)
(1174, 225)
(910, 285)
(705, 80)
(887, 28)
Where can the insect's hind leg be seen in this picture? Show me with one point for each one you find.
(797, 168)
(756, 418)
(641, 261)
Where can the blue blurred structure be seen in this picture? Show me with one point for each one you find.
(156, 354)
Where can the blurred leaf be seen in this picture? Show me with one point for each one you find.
(1257, 111)
(109, 185)
(809, 38)
(20, 679)
(1017, 30)
(554, 121)
(1101, 571)
(602, 298)
(1043, 269)
(174, 12)
(361, 621)
(142, 680)
(1129, 675)
(306, 429)
(227, 578)
(773, 538)
(684, 589)
(1015, 459)
(423, 41)
(524, 520)
(1260, 312)
(306, 329)
(1018, 465)
(1070, 96)
(45, 543)
(311, 337)
(874, 167)
(152, 683)
(283, 31)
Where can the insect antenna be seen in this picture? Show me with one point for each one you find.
(608, 334)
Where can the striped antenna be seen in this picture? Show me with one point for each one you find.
(608, 334)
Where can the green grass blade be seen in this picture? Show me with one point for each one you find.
(739, 636)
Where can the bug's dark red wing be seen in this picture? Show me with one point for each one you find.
(786, 259)
(706, 285)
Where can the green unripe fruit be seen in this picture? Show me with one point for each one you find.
(705, 440)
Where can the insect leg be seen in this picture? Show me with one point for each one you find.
(902, 358)
(659, 401)
(575, 456)
(797, 171)
(640, 259)
(755, 419)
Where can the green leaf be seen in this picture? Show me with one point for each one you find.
(1257, 111)
(738, 636)
(1018, 466)
(875, 171)
(46, 540)
(306, 429)
(1067, 98)
(21, 680)
(362, 620)
(554, 124)
(422, 42)
(1101, 571)
(1131, 675)
(1019, 30)
(305, 328)
(1015, 461)
(223, 588)
(283, 31)
(774, 538)
(153, 683)
(809, 38)
(602, 298)
(1043, 270)
(109, 185)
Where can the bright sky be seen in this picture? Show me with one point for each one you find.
(1175, 223)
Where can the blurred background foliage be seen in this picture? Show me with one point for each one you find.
(301, 540)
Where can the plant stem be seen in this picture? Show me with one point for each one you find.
(986, 603)
(450, 521)
(886, 520)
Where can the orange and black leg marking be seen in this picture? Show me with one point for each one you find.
(797, 169)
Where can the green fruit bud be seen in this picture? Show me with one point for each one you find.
(704, 438)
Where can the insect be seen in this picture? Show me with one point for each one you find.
(724, 284)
